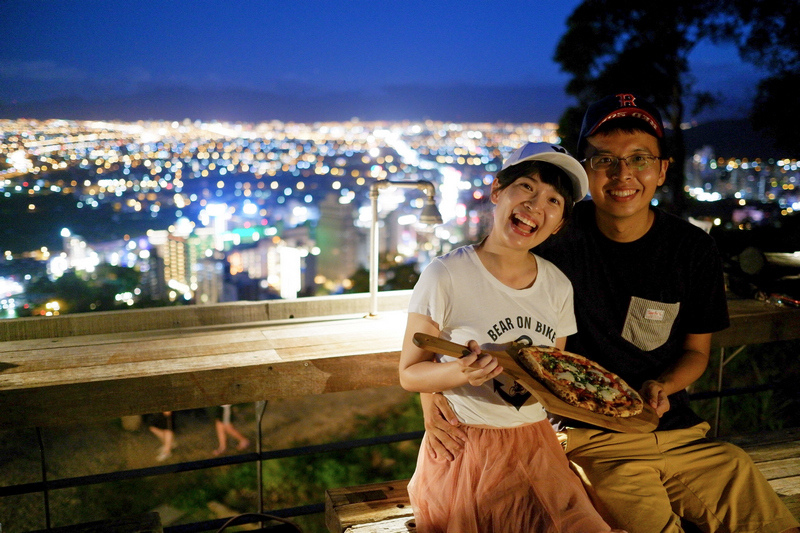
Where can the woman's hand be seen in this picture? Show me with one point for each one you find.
(479, 367)
(445, 438)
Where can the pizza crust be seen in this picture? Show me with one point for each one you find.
(580, 381)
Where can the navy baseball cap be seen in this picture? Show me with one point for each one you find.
(619, 106)
(555, 155)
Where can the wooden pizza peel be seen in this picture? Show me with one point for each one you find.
(644, 422)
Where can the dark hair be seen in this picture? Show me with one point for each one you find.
(630, 125)
(548, 173)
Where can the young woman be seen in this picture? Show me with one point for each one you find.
(511, 474)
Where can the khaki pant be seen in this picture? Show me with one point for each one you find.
(645, 483)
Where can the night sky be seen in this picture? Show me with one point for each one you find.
(305, 61)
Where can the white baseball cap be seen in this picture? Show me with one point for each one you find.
(555, 155)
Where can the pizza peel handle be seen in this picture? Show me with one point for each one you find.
(438, 345)
(444, 347)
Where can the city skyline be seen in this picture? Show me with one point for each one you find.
(308, 62)
(284, 205)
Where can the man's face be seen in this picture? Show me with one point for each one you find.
(624, 191)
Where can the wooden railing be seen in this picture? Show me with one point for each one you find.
(106, 365)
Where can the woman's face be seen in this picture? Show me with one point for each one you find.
(526, 212)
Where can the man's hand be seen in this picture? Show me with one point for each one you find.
(653, 393)
(445, 438)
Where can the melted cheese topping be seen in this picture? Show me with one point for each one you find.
(609, 394)
(566, 376)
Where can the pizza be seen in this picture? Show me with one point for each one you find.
(580, 381)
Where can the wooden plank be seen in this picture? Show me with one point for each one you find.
(771, 445)
(397, 525)
(754, 322)
(107, 399)
(777, 455)
(765, 439)
(783, 468)
(189, 363)
(347, 337)
(156, 354)
(786, 486)
(112, 371)
(775, 452)
(793, 504)
(134, 320)
(319, 327)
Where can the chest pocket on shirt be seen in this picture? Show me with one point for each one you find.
(649, 323)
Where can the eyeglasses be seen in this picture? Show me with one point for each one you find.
(637, 162)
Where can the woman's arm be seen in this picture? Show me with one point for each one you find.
(420, 373)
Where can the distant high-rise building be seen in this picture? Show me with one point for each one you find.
(209, 273)
(153, 284)
(343, 246)
(176, 267)
(278, 263)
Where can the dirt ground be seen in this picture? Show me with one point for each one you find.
(107, 446)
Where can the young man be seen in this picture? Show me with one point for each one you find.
(649, 293)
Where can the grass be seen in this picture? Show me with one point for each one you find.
(196, 495)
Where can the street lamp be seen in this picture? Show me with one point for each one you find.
(429, 216)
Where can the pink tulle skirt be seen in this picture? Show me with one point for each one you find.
(510, 480)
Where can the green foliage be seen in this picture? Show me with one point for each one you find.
(612, 46)
(84, 292)
(771, 37)
(771, 40)
(616, 46)
(402, 276)
(360, 279)
(643, 47)
(398, 276)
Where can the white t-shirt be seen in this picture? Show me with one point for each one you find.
(468, 302)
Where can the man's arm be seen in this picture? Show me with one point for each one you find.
(445, 438)
(685, 371)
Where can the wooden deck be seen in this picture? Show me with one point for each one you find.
(777, 455)
(385, 507)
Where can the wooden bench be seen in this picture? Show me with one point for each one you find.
(385, 507)
(373, 508)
